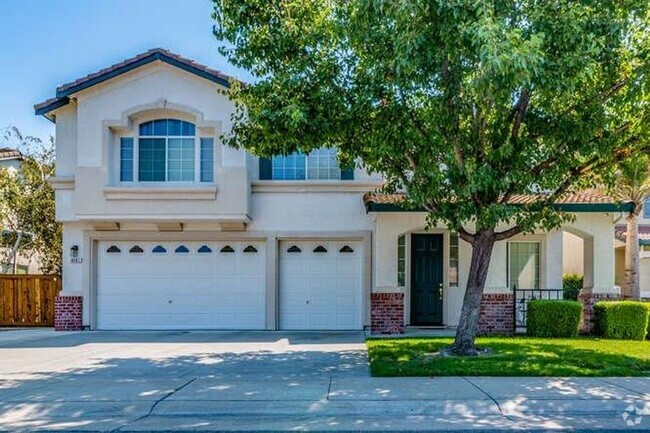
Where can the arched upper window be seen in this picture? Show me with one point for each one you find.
(167, 150)
(167, 128)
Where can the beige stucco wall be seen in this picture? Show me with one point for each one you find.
(89, 191)
(619, 266)
(573, 260)
(645, 275)
(88, 132)
(389, 226)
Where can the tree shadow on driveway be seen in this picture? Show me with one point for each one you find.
(106, 380)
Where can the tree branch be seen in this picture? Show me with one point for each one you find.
(518, 112)
(466, 235)
(507, 234)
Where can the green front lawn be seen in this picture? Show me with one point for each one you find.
(511, 356)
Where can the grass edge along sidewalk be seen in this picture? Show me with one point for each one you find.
(511, 356)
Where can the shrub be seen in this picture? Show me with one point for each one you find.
(623, 320)
(553, 318)
(572, 284)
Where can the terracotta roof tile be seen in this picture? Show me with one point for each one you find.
(63, 91)
(589, 196)
(9, 153)
(127, 62)
(644, 233)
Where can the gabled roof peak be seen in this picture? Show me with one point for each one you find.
(64, 91)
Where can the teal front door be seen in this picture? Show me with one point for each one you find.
(426, 279)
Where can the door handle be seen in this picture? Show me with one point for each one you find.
(440, 291)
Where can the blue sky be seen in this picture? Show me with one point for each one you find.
(45, 43)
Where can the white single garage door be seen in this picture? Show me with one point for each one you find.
(320, 285)
(181, 285)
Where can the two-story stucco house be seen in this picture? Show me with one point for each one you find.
(166, 228)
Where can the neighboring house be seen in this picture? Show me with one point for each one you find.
(165, 228)
(644, 251)
(11, 160)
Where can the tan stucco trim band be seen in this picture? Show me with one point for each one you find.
(161, 193)
(62, 182)
(315, 186)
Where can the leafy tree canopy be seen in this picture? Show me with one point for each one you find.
(461, 104)
(27, 201)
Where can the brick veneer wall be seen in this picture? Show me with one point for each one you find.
(68, 313)
(497, 314)
(588, 300)
(387, 313)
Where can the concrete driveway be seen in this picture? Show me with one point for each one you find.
(124, 381)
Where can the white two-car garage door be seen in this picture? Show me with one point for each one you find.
(320, 285)
(181, 285)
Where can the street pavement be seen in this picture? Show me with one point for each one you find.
(206, 381)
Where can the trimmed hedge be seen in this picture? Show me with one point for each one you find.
(622, 320)
(572, 284)
(553, 318)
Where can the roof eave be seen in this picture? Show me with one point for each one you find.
(564, 207)
(45, 109)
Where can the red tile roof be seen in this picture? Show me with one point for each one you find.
(9, 153)
(586, 197)
(135, 59)
(63, 91)
(644, 233)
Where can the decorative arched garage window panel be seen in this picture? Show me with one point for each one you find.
(250, 249)
(136, 249)
(182, 249)
(294, 249)
(113, 249)
(320, 249)
(159, 250)
(345, 249)
(204, 249)
(227, 249)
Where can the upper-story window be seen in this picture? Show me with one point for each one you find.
(167, 150)
(319, 164)
(646, 208)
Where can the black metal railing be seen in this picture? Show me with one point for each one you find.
(522, 296)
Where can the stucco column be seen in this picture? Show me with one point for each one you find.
(588, 265)
(554, 260)
(603, 264)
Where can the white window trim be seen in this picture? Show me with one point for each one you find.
(136, 183)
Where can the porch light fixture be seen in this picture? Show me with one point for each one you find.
(74, 251)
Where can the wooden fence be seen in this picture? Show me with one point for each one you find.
(28, 300)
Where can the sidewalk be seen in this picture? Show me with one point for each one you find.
(453, 403)
(10, 335)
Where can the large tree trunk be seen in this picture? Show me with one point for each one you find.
(469, 316)
(632, 287)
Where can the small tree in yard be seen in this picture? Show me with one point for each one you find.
(461, 105)
(27, 202)
(633, 184)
